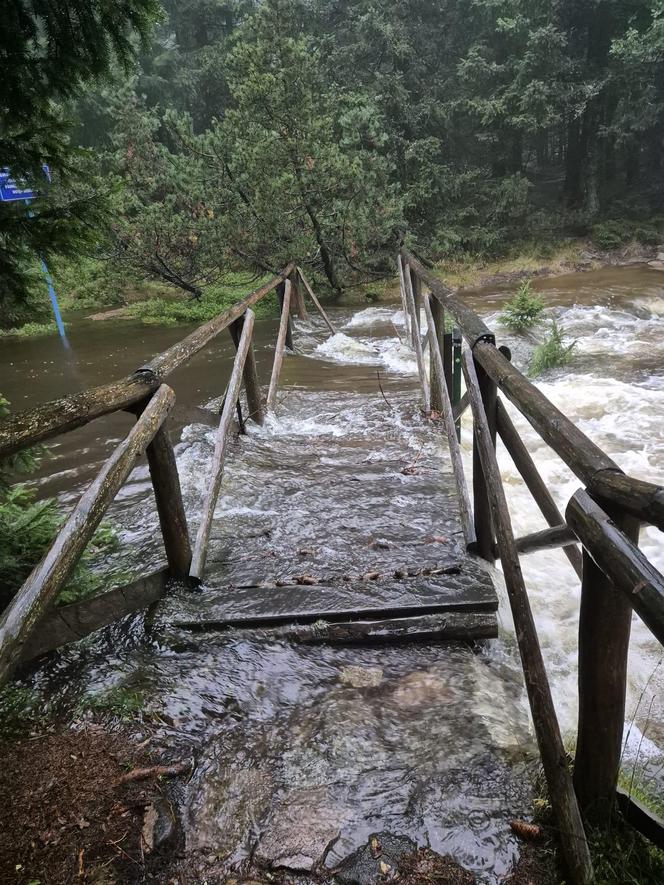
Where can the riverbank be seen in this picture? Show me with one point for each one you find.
(574, 256)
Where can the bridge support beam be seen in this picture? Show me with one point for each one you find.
(481, 506)
(168, 495)
(252, 385)
(605, 621)
(298, 308)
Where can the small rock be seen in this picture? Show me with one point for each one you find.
(364, 867)
(300, 831)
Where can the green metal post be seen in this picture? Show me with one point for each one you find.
(456, 374)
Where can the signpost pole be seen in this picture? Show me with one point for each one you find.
(12, 190)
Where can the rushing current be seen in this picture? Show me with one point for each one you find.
(432, 742)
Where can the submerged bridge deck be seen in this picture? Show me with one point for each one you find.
(407, 557)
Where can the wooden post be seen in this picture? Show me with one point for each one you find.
(282, 337)
(605, 621)
(252, 384)
(552, 751)
(534, 482)
(404, 299)
(442, 395)
(316, 302)
(448, 357)
(298, 307)
(170, 507)
(281, 290)
(417, 341)
(416, 288)
(46, 579)
(217, 468)
(435, 309)
(481, 505)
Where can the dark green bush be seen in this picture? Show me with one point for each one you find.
(523, 311)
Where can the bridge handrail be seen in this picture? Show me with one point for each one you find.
(27, 428)
(616, 577)
(604, 478)
(145, 394)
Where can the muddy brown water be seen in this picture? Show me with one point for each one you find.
(432, 742)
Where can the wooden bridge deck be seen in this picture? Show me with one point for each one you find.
(341, 528)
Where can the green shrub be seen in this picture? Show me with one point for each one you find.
(30, 330)
(614, 234)
(523, 311)
(552, 352)
(27, 528)
(215, 299)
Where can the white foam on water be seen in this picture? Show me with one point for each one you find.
(624, 416)
(344, 349)
(371, 316)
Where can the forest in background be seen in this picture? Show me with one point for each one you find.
(207, 138)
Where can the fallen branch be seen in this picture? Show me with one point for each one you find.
(143, 774)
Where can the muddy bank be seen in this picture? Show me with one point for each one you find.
(84, 806)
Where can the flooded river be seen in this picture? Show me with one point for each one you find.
(433, 741)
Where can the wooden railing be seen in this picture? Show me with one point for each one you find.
(144, 393)
(605, 516)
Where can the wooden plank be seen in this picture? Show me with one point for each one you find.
(315, 300)
(547, 539)
(641, 818)
(170, 507)
(279, 349)
(252, 385)
(331, 616)
(453, 626)
(534, 482)
(69, 623)
(417, 341)
(33, 426)
(217, 467)
(552, 751)
(443, 397)
(49, 576)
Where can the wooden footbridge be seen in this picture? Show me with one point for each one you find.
(598, 533)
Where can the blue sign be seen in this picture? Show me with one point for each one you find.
(12, 190)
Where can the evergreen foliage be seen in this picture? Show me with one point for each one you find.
(523, 311)
(28, 526)
(552, 353)
(48, 53)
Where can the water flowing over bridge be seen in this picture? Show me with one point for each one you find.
(426, 576)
